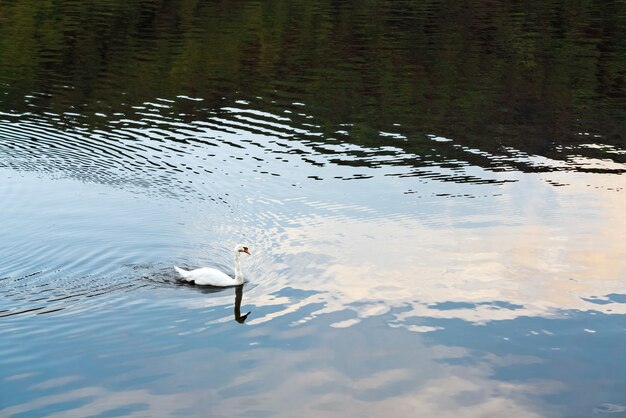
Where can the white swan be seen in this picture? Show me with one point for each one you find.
(208, 276)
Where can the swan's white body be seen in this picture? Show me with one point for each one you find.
(208, 276)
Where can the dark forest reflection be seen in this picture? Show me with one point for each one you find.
(540, 77)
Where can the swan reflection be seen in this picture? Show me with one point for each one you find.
(212, 289)
(238, 296)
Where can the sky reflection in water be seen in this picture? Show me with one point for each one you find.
(408, 302)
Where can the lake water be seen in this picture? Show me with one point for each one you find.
(433, 194)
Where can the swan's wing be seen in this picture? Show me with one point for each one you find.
(209, 276)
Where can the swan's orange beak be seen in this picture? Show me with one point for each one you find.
(245, 250)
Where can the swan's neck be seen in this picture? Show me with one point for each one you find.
(238, 273)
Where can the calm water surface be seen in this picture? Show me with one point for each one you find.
(433, 193)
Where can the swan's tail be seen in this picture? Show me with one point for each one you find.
(183, 273)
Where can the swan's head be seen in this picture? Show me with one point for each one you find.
(240, 248)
